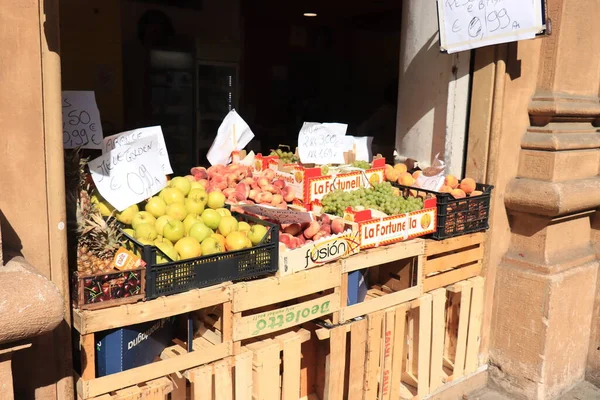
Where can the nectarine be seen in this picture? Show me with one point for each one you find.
(451, 181)
(458, 194)
(467, 185)
(401, 167)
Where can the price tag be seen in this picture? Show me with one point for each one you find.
(127, 138)
(322, 143)
(278, 214)
(130, 173)
(81, 120)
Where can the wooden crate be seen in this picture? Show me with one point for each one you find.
(452, 260)
(264, 370)
(398, 270)
(158, 389)
(173, 359)
(289, 301)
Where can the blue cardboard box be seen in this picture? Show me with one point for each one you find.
(121, 349)
(357, 286)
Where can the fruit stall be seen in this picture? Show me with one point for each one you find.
(264, 277)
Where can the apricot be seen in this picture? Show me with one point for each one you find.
(401, 167)
(475, 193)
(416, 174)
(451, 181)
(446, 189)
(406, 179)
(467, 185)
(392, 174)
(458, 194)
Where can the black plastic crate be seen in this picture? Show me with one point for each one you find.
(457, 217)
(194, 273)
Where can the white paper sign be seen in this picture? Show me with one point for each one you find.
(233, 134)
(322, 143)
(278, 214)
(130, 173)
(468, 24)
(81, 120)
(127, 138)
(361, 146)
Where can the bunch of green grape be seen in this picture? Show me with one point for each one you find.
(380, 197)
(361, 164)
(324, 169)
(287, 157)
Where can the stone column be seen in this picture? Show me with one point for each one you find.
(546, 283)
(433, 91)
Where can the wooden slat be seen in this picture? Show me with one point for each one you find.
(475, 320)
(180, 387)
(389, 330)
(398, 350)
(450, 277)
(88, 356)
(158, 389)
(453, 260)
(375, 321)
(437, 338)
(223, 380)
(154, 370)
(266, 370)
(262, 292)
(202, 383)
(99, 320)
(381, 255)
(358, 352)
(380, 303)
(424, 344)
(463, 326)
(291, 344)
(433, 247)
(130, 393)
(243, 376)
(337, 365)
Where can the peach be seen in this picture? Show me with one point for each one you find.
(406, 179)
(301, 239)
(243, 188)
(401, 167)
(468, 185)
(277, 199)
(320, 235)
(458, 194)
(269, 174)
(325, 219)
(392, 174)
(280, 183)
(264, 197)
(263, 182)
(282, 206)
(451, 181)
(326, 228)
(252, 194)
(203, 182)
(239, 196)
(293, 229)
(338, 225)
(289, 194)
(476, 193)
(416, 174)
(312, 229)
(446, 189)
(228, 192)
(286, 239)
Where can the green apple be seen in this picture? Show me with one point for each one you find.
(257, 233)
(193, 206)
(142, 217)
(169, 252)
(216, 200)
(195, 185)
(174, 230)
(172, 195)
(177, 211)
(161, 222)
(156, 206)
(146, 230)
(188, 247)
(181, 183)
(223, 211)
(200, 231)
(105, 208)
(163, 242)
(129, 232)
(190, 220)
(146, 242)
(199, 195)
(227, 225)
(211, 246)
(243, 226)
(211, 218)
(126, 216)
(236, 241)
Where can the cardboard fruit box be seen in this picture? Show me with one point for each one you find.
(322, 251)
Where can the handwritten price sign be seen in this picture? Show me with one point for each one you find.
(277, 214)
(81, 120)
(130, 173)
(322, 143)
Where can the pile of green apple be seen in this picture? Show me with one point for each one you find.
(184, 221)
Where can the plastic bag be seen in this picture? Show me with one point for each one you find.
(433, 177)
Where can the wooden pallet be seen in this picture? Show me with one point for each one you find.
(173, 359)
(264, 370)
(158, 389)
(452, 260)
(398, 270)
(290, 301)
